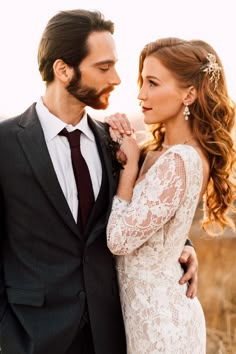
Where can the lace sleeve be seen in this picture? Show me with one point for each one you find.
(159, 195)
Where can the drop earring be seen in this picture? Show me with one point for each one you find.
(186, 112)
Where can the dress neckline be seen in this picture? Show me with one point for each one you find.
(158, 158)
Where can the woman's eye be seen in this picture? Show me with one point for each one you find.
(152, 83)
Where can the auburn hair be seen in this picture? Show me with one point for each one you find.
(212, 120)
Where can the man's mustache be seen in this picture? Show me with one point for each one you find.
(107, 90)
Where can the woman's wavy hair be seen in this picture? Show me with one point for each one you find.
(212, 120)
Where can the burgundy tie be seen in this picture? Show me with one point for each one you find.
(82, 177)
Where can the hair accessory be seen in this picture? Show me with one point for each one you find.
(186, 112)
(213, 69)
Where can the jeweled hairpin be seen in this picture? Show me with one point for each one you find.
(213, 69)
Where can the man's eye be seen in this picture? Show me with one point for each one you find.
(104, 68)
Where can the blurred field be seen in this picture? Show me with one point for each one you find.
(217, 279)
(217, 287)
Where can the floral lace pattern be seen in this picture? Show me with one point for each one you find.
(148, 235)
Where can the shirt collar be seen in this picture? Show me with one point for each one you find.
(52, 125)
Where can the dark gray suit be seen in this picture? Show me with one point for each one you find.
(47, 269)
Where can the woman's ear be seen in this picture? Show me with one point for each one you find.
(190, 96)
(62, 71)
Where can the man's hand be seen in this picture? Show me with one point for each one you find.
(188, 260)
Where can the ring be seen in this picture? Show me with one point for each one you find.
(119, 141)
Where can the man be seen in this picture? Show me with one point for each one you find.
(58, 288)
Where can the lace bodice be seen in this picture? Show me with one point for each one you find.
(148, 235)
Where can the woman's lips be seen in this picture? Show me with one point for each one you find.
(145, 109)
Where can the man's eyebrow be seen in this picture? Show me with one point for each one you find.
(103, 62)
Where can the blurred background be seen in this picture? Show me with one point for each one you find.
(136, 23)
(217, 287)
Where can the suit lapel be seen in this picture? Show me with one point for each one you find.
(32, 141)
(107, 189)
(100, 134)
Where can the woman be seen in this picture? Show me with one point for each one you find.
(184, 100)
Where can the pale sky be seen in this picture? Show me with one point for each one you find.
(137, 22)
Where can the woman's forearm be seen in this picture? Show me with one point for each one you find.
(127, 180)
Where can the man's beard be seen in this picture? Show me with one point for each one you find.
(88, 95)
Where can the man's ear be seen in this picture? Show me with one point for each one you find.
(62, 71)
(190, 95)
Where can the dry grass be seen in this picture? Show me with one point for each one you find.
(217, 287)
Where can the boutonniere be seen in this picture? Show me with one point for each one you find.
(112, 147)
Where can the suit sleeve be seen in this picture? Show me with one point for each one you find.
(3, 299)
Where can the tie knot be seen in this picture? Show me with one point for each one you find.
(73, 137)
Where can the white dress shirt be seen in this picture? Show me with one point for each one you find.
(59, 151)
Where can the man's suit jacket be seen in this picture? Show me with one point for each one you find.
(48, 270)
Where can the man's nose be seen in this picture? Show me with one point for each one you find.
(115, 79)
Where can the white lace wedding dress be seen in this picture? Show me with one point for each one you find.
(148, 235)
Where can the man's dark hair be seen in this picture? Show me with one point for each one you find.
(65, 37)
